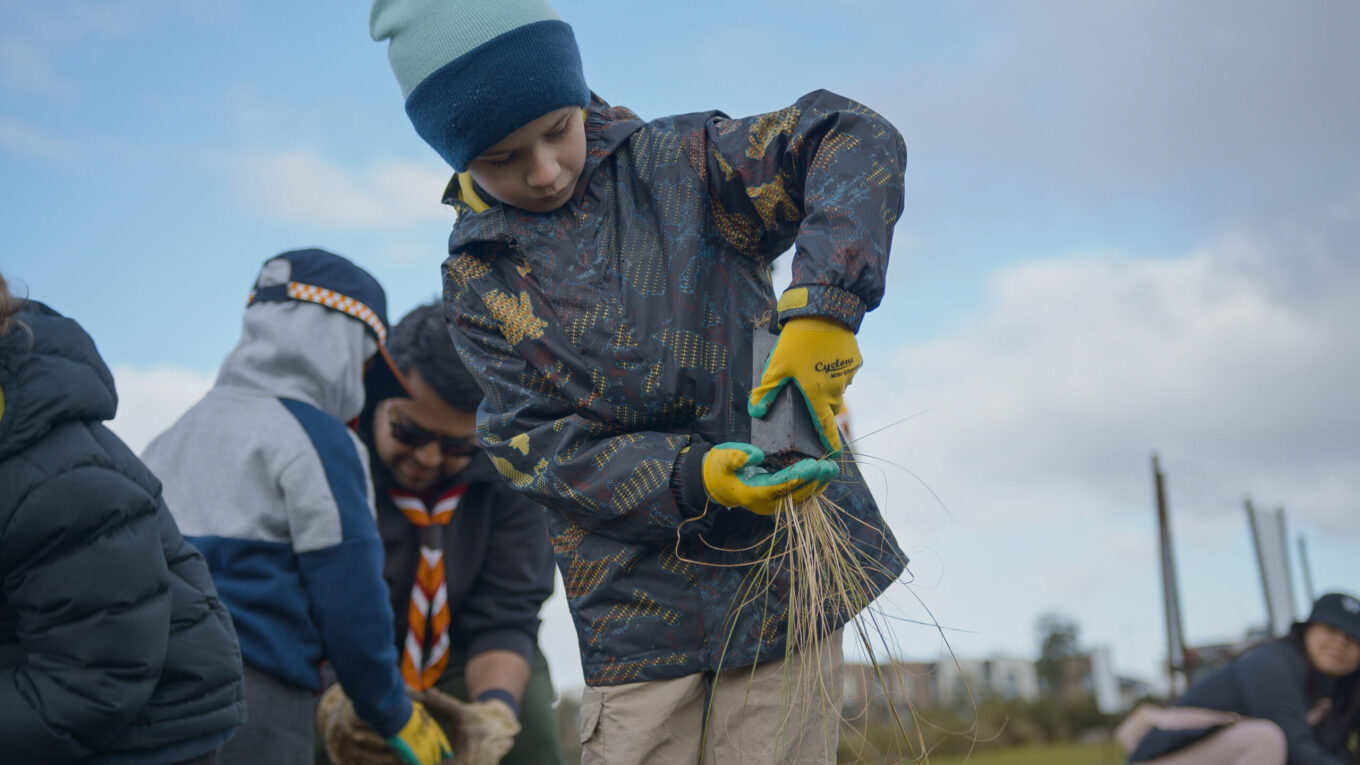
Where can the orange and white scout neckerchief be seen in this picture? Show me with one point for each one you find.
(427, 618)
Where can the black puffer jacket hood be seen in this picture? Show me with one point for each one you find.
(112, 639)
(52, 373)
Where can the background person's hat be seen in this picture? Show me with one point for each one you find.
(1338, 610)
(327, 279)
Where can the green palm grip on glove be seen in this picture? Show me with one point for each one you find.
(421, 741)
(820, 356)
(733, 478)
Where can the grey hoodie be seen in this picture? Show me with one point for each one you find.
(267, 481)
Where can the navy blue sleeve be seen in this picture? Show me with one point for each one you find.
(501, 611)
(344, 580)
(824, 175)
(1271, 679)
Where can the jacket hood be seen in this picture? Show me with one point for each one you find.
(50, 373)
(301, 351)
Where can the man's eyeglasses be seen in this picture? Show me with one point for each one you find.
(415, 438)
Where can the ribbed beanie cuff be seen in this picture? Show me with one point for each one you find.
(474, 71)
(475, 100)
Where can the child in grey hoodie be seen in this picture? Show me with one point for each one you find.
(266, 479)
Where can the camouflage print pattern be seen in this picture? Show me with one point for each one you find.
(613, 340)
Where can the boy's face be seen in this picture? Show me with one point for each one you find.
(535, 168)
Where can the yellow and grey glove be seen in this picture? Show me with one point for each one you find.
(733, 477)
(421, 741)
(486, 729)
(820, 356)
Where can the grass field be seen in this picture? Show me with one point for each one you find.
(1056, 754)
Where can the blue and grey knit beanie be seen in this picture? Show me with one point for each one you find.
(475, 71)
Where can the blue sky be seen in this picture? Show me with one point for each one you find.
(1129, 228)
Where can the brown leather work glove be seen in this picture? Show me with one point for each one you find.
(485, 730)
(349, 740)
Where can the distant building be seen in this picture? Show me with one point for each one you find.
(1104, 684)
(1012, 678)
(950, 681)
(894, 682)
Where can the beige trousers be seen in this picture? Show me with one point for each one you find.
(785, 712)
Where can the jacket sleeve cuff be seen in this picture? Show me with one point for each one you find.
(390, 724)
(518, 641)
(500, 694)
(825, 301)
(687, 478)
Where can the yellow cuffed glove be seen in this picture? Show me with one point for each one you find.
(733, 477)
(421, 741)
(820, 356)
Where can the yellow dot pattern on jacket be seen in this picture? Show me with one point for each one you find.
(2, 403)
(516, 316)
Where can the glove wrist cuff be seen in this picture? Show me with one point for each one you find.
(687, 478)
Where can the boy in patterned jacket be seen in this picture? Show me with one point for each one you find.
(605, 279)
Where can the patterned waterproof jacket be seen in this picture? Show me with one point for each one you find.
(613, 340)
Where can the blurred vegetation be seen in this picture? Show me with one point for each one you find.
(1050, 754)
(1003, 732)
(1059, 639)
(997, 724)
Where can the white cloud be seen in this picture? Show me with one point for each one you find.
(1237, 362)
(37, 34)
(25, 67)
(151, 399)
(414, 252)
(557, 638)
(301, 185)
(1133, 118)
(22, 138)
(1082, 366)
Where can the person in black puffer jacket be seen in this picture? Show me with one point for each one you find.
(113, 646)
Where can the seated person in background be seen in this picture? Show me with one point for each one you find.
(266, 479)
(468, 562)
(113, 645)
(1291, 701)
